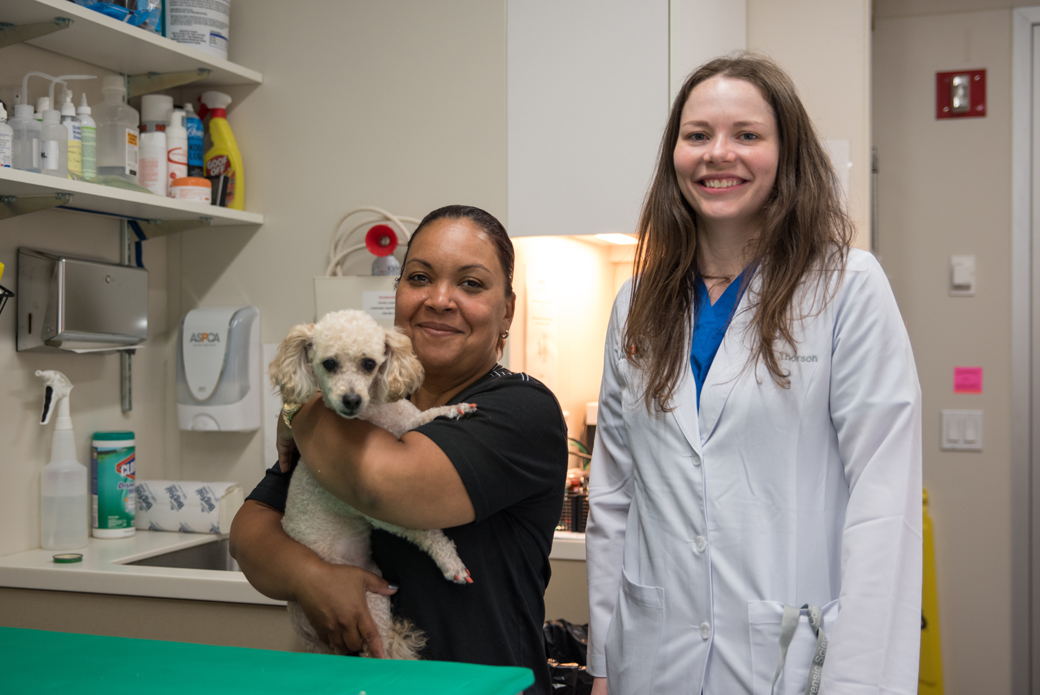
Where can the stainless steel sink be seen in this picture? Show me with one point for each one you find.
(207, 556)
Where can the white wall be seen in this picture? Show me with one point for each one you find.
(945, 189)
(399, 105)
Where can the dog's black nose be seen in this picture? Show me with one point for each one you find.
(352, 401)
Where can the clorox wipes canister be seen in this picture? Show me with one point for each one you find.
(112, 484)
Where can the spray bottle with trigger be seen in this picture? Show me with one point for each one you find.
(63, 481)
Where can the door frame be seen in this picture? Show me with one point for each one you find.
(1025, 536)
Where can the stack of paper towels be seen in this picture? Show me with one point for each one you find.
(176, 505)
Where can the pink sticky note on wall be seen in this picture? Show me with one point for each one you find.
(967, 379)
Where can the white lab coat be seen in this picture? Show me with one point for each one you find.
(704, 524)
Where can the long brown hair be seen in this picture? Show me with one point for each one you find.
(805, 227)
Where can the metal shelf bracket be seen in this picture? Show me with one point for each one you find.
(13, 206)
(10, 34)
(157, 228)
(158, 81)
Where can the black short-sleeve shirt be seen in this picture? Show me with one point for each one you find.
(512, 457)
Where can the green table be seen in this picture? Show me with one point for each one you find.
(35, 661)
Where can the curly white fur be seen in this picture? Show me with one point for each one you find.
(362, 370)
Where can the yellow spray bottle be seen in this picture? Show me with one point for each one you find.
(223, 157)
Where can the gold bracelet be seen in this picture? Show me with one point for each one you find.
(289, 411)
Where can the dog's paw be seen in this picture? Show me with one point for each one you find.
(465, 578)
(466, 408)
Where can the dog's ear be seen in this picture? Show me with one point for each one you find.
(401, 373)
(291, 370)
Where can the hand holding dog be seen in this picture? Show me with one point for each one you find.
(333, 597)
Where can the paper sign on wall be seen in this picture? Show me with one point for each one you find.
(540, 351)
(379, 305)
(967, 379)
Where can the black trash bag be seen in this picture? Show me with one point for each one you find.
(565, 642)
(569, 679)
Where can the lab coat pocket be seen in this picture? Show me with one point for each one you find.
(764, 621)
(634, 638)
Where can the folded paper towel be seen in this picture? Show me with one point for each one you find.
(176, 505)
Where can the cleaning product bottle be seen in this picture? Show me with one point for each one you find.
(195, 136)
(113, 484)
(151, 171)
(75, 139)
(224, 158)
(176, 149)
(26, 139)
(63, 481)
(117, 132)
(54, 145)
(6, 140)
(88, 130)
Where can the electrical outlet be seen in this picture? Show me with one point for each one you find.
(961, 430)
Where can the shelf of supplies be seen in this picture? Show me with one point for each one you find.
(102, 41)
(116, 201)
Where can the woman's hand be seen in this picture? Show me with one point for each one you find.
(599, 686)
(334, 599)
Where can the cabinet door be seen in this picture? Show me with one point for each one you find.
(588, 100)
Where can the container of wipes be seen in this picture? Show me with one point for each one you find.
(112, 484)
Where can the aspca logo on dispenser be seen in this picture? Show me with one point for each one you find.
(204, 338)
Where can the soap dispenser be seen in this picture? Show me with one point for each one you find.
(63, 481)
(218, 370)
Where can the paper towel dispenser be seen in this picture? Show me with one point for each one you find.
(218, 369)
(79, 305)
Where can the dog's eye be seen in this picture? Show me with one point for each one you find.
(368, 364)
(330, 365)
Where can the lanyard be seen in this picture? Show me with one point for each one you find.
(787, 628)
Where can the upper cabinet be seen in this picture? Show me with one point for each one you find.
(587, 103)
(102, 41)
(145, 56)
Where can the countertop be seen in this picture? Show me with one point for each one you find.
(104, 569)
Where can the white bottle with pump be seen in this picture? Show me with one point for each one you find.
(6, 141)
(117, 132)
(176, 149)
(152, 163)
(63, 481)
(88, 130)
(54, 145)
(75, 140)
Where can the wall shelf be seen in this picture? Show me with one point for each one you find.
(99, 40)
(118, 202)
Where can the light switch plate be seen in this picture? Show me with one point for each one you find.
(961, 430)
(962, 276)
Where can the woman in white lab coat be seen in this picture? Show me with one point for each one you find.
(758, 447)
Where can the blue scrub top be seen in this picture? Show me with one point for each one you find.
(710, 322)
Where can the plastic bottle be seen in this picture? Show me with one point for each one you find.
(6, 140)
(117, 132)
(113, 484)
(26, 139)
(54, 145)
(42, 104)
(223, 158)
(176, 149)
(88, 130)
(75, 139)
(63, 481)
(151, 172)
(196, 133)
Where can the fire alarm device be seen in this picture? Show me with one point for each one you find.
(960, 94)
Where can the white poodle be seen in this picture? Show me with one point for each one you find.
(363, 370)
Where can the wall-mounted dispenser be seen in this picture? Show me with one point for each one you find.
(218, 369)
(79, 305)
